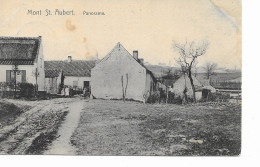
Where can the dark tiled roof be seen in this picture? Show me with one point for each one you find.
(52, 73)
(18, 62)
(80, 68)
(18, 50)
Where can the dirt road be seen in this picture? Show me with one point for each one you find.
(34, 130)
(62, 144)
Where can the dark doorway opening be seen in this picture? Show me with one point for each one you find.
(205, 93)
(86, 84)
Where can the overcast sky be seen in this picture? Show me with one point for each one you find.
(148, 26)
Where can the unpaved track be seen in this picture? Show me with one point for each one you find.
(19, 136)
(62, 144)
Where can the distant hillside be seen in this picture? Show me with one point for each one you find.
(218, 70)
(222, 74)
(221, 77)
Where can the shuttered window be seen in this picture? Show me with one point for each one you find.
(8, 76)
(20, 76)
(23, 76)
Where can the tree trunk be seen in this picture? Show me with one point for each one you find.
(185, 88)
(207, 75)
(192, 85)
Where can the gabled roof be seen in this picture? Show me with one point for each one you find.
(79, 68)
(121, 47)
(51, 73)
(206, 85)
(19, 50)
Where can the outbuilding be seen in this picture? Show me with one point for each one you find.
(120, 75)
(184, 82)
(76, 73)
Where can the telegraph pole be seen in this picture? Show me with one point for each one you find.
(15, 69)
(36, 76)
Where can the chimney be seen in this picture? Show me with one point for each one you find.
(135, 54)
(69, 59)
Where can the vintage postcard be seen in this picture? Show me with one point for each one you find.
(132, 77)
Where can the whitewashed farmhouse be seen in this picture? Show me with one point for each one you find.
(21, 60)
(76, 72)
(120, 74)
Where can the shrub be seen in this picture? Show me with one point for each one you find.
(5, 85)
(177, 100)
(7, 90)
(222, 96)
(158, 97)
(216, 97)
(154, 97)
(27, 90)
(171, 97)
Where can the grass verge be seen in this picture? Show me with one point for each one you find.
(130, 128)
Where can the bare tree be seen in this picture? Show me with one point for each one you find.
(195, 71)
(210, 69)
(189, 52)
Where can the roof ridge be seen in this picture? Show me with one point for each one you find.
(108, 55)
(119, 45)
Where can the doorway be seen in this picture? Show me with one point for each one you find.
(86, 85)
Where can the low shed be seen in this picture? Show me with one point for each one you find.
(184, 81)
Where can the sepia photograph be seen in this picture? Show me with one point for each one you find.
(121, 78)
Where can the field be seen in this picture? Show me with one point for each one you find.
(103, 127)
(131, 128)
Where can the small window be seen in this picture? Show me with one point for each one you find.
(18, 76)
